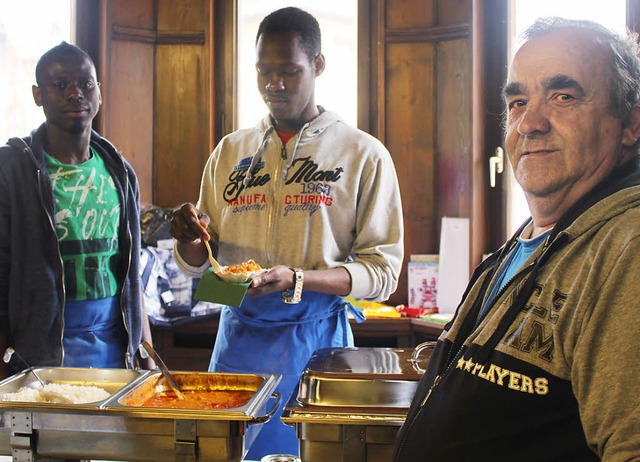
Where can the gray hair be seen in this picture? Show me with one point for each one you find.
(625, 60)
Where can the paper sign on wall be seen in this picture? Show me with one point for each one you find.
(453, 273)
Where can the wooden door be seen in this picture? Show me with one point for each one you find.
(154, 65)
(422, 83)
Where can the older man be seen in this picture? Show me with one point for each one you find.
(540, 362)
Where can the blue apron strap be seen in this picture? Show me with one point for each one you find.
(355, 312)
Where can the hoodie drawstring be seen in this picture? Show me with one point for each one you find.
(257, 156)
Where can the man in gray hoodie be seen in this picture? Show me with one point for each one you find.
(310, 198)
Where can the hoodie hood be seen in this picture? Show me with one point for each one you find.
(308, 131)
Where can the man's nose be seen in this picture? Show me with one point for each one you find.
(74, 91)
(275, 82)
(534, 120)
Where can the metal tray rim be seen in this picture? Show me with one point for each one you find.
(80, 407)
(247, 412)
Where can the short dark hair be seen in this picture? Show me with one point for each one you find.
(64, 49)
(292, 20)
(625, 62)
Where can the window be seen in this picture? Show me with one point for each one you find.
(28, 28)
(522, 14)
(336, 88)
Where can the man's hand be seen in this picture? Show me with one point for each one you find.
(188, 229)
(277, 279)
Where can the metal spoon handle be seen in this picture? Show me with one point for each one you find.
(163, 368)
(7, 357)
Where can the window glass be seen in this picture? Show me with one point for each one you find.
(523, 13)
(336, 88)
(28, 28)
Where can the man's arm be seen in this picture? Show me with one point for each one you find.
(336, 281)
(4, 368)
(378, 247)
(605, 373)
(5, 255)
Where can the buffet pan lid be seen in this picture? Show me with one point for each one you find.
(358, 384)
(367, 363)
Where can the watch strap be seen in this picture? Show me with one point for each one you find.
(287, 296)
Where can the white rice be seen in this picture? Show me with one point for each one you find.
(76, 393)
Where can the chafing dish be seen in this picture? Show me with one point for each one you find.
(117, 428)
(352, 401)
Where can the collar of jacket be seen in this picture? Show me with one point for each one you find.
(625, 176)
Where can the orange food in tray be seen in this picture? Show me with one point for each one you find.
(200, 399)
(248, 266)
(241, 272)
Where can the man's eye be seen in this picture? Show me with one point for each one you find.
(564, 97)
(517, 103)
(59, 85)
(86, 85)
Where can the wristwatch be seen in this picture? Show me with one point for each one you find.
(297, 289)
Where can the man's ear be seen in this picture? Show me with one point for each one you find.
(319, 64)
(631, 130)
(35, 91)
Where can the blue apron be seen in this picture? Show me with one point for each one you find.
(266, 335)
(94, 334)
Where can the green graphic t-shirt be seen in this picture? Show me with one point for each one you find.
(87, 213)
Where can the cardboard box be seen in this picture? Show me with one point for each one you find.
(423, 284)
(213, 289)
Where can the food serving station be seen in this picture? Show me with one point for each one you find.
(121, 428)
(351, 402)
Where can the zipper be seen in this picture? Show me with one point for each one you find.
(62, 282)
(127, 356)
(435, 383)
(522, 272)
(449, 362)
(272, 204)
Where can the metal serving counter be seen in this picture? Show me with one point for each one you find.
(114, 429)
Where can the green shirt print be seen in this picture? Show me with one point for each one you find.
(87, 214)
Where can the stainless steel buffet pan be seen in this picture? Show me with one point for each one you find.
(352, 401)
(112, 430)
(111, 380)
(361, 377)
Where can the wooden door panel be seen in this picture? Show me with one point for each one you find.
(421, 103)
(182, 122)
(409, 14)
(454, 12)
(453, 123)
(127, 75)
(410, 129)
(130, 96)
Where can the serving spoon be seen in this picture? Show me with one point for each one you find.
(49, 395)
(147, 350)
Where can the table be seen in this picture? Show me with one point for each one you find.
(187, 345)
